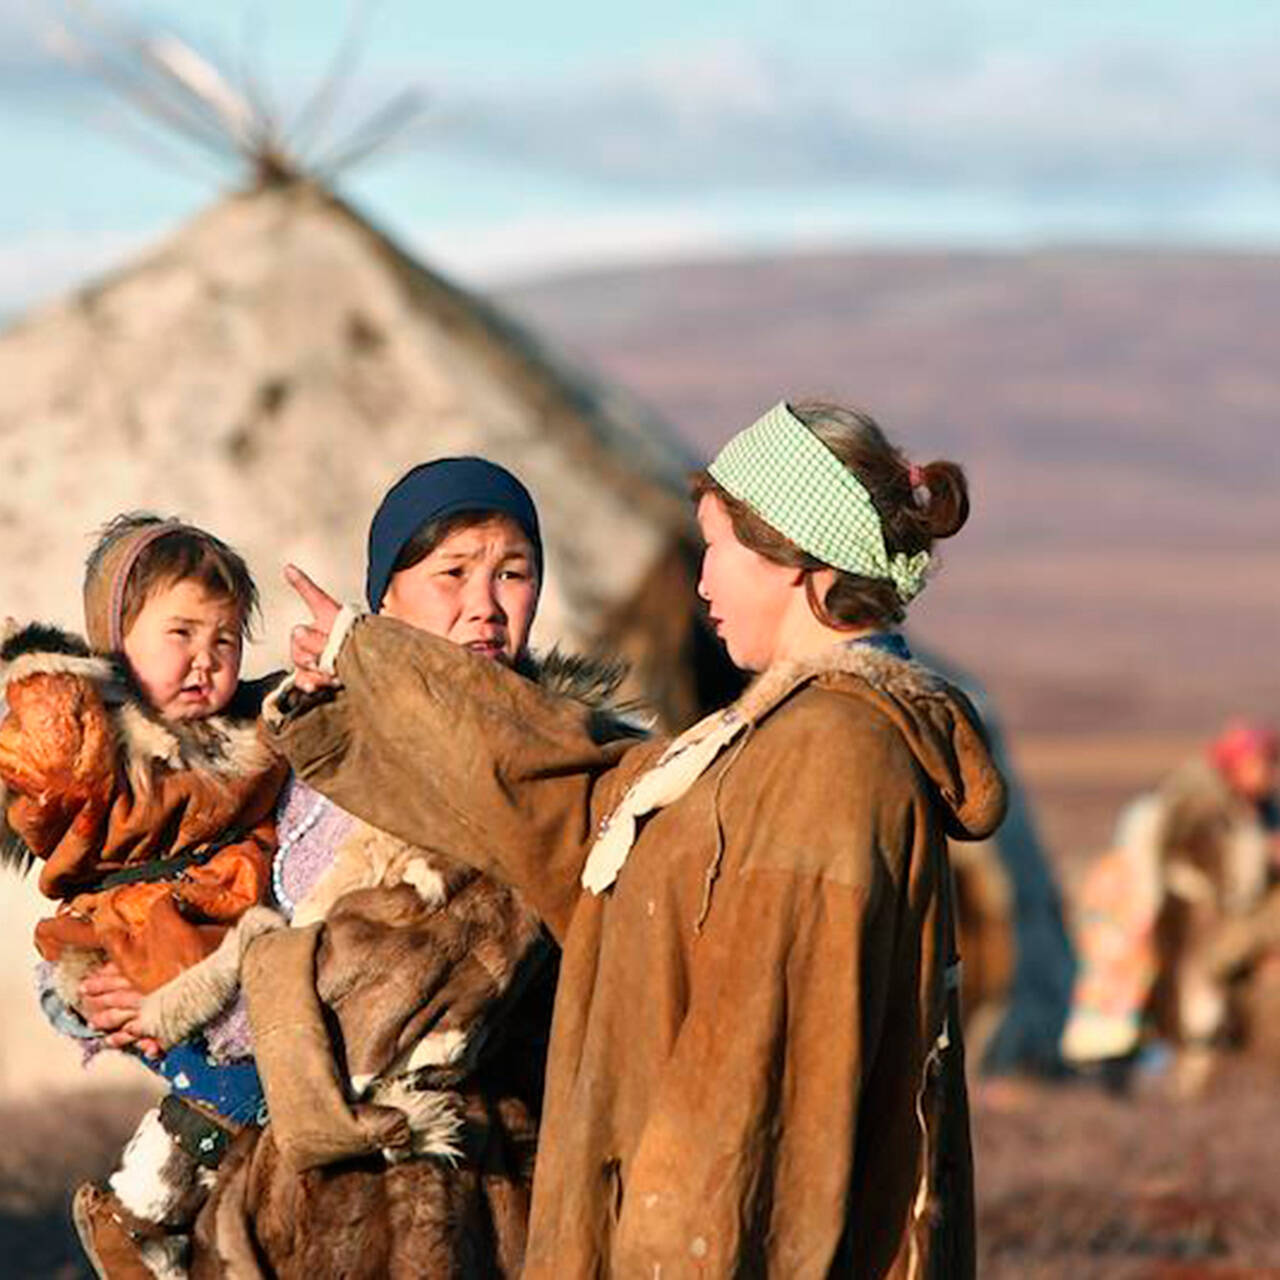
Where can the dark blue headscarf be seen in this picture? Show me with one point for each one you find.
(433, 491)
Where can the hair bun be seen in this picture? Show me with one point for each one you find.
(945, 507)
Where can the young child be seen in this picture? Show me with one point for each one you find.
(133, 769)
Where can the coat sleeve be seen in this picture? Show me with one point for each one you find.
(57, 759)
(454, 752)
(747, 1162)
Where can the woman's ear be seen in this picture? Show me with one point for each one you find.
(823, 580)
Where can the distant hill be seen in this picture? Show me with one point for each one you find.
(1118, 414)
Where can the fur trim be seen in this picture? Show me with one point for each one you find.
(173, 1012)
(594, 682)
(71, 968)
(899, 678)
(221, 746)
(435, 1122)
(348, 616)
(38, 637)
(31, 662)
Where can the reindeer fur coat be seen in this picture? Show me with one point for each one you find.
(405, 1014)
(93, 784)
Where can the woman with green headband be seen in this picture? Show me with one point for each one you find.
(756, 1066)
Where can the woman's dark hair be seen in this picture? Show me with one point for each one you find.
(912, 516)
(431, 533)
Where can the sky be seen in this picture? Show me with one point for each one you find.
(562, 135)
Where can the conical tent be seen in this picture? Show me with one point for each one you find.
(273, 368)
(267, 373)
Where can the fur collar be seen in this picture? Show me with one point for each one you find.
(938, 723)
(227, 746)
(595, 682)
(902, 679)
(37, 648)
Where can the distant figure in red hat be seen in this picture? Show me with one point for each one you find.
(1183, 907)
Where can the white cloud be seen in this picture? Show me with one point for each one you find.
(1141, 118)
(735, 146)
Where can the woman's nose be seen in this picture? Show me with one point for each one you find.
(482, 598)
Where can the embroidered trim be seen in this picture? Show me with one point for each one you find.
(680, 765)
(347, 617)
(312, 816)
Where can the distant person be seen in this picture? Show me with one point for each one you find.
(135, 772)
(1183, 904)
(756, 1063)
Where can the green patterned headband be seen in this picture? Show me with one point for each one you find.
(796, 485)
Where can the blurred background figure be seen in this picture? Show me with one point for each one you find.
(1180, 921)
(1016, 952)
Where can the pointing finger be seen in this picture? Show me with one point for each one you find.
(323, 607)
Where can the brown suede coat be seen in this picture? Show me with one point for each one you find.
(756, 1064)
(93, 783)
(408, 1007)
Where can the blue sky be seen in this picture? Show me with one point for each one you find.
(564, 134)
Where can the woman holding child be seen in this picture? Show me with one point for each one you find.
(405, 1014)
(756, 1064)
(437, 979)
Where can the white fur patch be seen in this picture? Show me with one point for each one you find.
(155, 1176)
(426, 880)
(98, 670)
(433, 1119)
(439, 1049)
(163, 1257)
